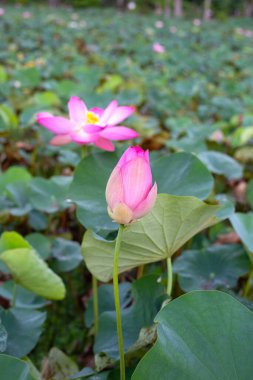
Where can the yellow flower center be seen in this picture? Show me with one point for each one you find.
(91, 118)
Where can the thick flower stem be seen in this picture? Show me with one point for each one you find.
(117, 302)
(95, 303)
(169, 277)
(84, 153)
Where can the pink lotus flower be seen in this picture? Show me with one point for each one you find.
(173, 29)
(26, 14)
(129, 192)
(95, 126)
(196, 22)
(159, 24)
(158, 48)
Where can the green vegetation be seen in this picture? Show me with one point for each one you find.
(194, 112)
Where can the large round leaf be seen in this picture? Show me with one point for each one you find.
(31, 272)
(106, 300)
(24, 298)
(182, 174)
(220, 163)
(177, 174)
(40, 243)
(66, 255)
(49, 195)
(227, 206)
(243, 225)
(147, 296)
(170, 224)
(13, 368)
(212, 268)
(201, 336)
(14, 174)
(17, 196)
(24, 328)
(88, 190)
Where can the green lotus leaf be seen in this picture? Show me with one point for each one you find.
(171, 223)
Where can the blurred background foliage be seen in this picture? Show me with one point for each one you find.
(178, 8)
(194, 111)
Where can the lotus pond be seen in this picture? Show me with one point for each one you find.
(185, 252)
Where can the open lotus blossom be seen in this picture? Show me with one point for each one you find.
(129, 191)
(95, 126)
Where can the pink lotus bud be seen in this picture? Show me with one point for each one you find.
(129, 191)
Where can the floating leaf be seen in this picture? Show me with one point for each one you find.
(84, 373)
(13, 368)
(66, 255)
(14, 175)
(227, 206)
(213, 320)
(24, 298)
(182, 174)
(24, 328)
(218, 266)
(243, 225)
(88, 190)
(106, 300)
(177, 174)
(37, 220)
(88, 373)
(17, 193)
(33, 370)
(46, 99)
(146, 301)
(40, 243)
(220, 163)
(49, 195)
(29, 77)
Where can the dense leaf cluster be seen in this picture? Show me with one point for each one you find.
(194, 111)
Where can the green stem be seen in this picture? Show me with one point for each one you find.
(140, 271)
(248, 284)
(117, 302)
(170, 277)
(83, 151)
(86, 151)
(95, 303)
(14, 295)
